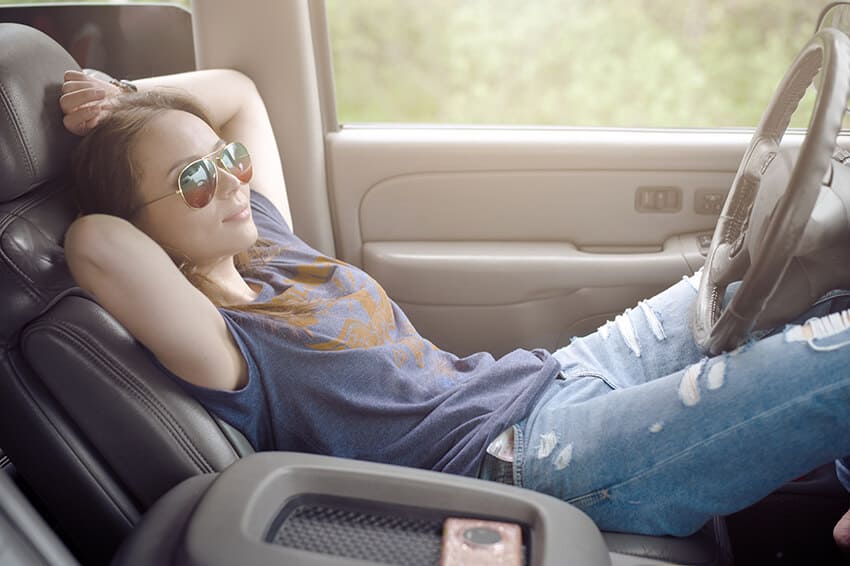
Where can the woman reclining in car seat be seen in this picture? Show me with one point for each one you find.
(184, 238)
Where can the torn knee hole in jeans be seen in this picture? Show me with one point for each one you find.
(820, 333)
(627, 331)
(653, 321)
(624, 325)
(714, 378)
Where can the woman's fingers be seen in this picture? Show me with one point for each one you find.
(85, 100)
(74, 75)
(82, 101)
(92, 79)
(71, 86)
(81, 121)
(71, 101)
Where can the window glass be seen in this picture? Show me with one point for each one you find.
(609, 63)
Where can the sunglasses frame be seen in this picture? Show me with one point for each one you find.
(217, 164)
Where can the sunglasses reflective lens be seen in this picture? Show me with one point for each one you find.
(237, 161)
(197, 183)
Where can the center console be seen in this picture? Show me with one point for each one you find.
(306, 510)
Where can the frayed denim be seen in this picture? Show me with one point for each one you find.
(646, 435)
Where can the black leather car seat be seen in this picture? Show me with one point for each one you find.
(89, 422)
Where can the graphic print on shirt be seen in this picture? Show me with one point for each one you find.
(364, 321)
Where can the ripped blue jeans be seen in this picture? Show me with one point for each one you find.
(646, 435)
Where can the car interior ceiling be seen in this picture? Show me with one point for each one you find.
(104, 459)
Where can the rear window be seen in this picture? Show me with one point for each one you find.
(125, 39)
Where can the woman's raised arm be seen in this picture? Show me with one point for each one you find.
(230, 98)
(134, 279)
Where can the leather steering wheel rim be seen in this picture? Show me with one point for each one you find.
(717, 328)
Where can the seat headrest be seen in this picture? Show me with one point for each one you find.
(34, 145)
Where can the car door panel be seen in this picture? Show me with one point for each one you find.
(594, 209)
(492, 239)
(497, 296)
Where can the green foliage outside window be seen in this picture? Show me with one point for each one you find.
(618, 63)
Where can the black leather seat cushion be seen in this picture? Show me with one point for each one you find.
(86, 418)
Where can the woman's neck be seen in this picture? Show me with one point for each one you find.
(233, 288)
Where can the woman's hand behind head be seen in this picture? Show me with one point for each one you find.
(85, 101)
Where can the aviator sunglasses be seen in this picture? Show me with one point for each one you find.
(197, 181)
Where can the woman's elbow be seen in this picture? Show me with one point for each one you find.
(90, 241)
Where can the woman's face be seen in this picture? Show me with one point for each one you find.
(205, 236)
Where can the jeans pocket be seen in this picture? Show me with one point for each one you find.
(589, 500)
(577, 374)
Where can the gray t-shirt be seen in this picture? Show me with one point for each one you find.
(353, 378)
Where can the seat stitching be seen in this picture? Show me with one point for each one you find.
(142, 393)
(24, 385)
(134, 387)
(28, 289)
(30, 159)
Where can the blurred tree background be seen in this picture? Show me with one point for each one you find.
(618, 63)
(608, 63)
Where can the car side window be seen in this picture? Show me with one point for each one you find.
(620, 64)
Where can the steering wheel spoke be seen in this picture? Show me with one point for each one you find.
(759, 157)
(730, 263)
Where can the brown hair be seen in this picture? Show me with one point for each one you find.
(103, 161)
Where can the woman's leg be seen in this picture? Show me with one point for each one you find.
(649, 341)
(663, 456)
(655, 339)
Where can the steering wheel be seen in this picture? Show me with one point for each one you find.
(755, 244)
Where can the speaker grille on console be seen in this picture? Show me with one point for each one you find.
(381, 537)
